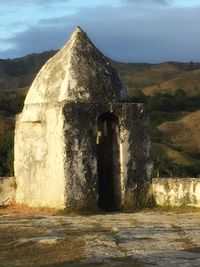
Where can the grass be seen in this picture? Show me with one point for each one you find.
(149, 205)
(33, 254)
(184, 133)
(19, 249)
(66, 252)
(175, 209)
(78, 264)
(161, 150)
(187, 80)
(23, 210)
(165, 209)
(150, 76)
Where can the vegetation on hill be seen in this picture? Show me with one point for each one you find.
(161, 78)
(6, 154)
(20, 72)
(171, 92)
(183, 134)
(174, 129)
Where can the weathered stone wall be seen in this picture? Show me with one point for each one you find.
(81, 158)
(176, 191)
(166, 191)
(79, 71)
(136, 155)
(7, 191)
(39, 157)
(55, 136)
(55, 153)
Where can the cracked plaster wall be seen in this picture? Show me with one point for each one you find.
(39, 157)
(55, 154)
(176, 191)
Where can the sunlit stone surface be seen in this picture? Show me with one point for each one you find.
(78, 144)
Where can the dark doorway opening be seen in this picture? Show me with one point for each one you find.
(108, 163)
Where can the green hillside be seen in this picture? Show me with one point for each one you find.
(183, 134)
(171, 92)
(187, 81)
(162, 78)
(20, 72)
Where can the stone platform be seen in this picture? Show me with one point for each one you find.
(116, 239)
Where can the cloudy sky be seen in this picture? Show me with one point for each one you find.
(125, 30)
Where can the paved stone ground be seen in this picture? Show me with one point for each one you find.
(137, 239)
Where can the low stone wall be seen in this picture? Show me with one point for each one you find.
(176, 191)
(7, 191)
(166, 191)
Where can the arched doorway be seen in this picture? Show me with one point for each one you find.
(108, 163)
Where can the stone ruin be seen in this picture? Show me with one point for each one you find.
(78, 143)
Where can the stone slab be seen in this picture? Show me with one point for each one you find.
(7, 191)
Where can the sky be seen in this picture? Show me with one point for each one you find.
(125, 30)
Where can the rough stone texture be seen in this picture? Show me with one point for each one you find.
(39, 157)
(7, 191)
(79, 71)
(80, 140)
(56, 133)
(142, 239)
(176, 191)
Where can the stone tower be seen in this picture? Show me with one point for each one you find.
(78, 144)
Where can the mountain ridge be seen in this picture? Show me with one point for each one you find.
(160, 86)
(20, 72)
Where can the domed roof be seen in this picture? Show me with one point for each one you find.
(79, 71)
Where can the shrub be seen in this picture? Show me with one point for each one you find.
(6, 154)
(166, 168)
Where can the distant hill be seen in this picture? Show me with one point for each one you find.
(20, 72)
(178, 157)
(183, 134)
(164, 77)
(150, 78)
(189, 81)
(174, 124)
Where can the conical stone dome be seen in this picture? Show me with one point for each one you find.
(78, 72)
